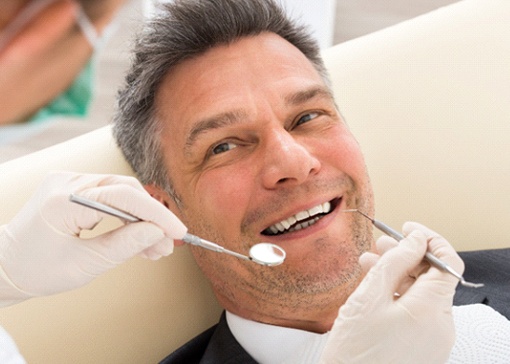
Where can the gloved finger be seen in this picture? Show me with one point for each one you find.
(58, 212)
(161, 249)
(410, 226)
(438, 246)
(420, 269)
(150, 254)
(64, 183)
(412, 276)
(367, 260)
(384, 243)
(126, 241)
(404, 285)
(384, 278)
(397, 264)
(432, 284)
(140, 204)
(81, 182)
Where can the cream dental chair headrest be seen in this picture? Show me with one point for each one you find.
(428, 100)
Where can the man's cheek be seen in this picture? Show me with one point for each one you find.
(347, 155)
(223, 197)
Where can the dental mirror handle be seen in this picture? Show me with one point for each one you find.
(188, 238)
(206, 244)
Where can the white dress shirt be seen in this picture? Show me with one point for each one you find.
(482, 336)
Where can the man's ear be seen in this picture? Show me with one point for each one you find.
(162, 196)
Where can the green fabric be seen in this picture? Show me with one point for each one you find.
(74, 102)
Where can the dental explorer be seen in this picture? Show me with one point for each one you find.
(432, 259)
(266, 254)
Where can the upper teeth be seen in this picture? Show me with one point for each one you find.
(302, 215)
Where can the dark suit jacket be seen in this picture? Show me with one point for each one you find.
(491, 267)
(214, 346)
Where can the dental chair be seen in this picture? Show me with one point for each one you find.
(428, 100)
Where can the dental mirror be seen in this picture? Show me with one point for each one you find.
(266, 254)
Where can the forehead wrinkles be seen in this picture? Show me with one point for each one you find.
(280, 199)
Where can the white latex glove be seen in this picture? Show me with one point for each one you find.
(377, 326)
(41, 252)
(9, 353)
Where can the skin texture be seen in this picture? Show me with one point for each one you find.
(251, 136)
(45, 57)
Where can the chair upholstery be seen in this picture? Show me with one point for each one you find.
(136, 313)
(427, 100)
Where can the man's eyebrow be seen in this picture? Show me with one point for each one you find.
(235, 116)
(214, 122)
(303, 96)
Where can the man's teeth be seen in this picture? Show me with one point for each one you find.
(296, 222)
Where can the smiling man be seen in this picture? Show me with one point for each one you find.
(256, 150)
(255, 157)
(228, 119)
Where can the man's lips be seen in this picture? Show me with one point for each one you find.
(302, 219)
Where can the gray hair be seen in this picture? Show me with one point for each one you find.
(182, 30)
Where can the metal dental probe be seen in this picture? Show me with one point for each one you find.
(432, 259)
(262, 253)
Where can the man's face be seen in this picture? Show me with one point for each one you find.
(253, 143)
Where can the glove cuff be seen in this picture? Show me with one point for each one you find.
(10, 294)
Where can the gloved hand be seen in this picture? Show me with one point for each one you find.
(41, 252)
(377, 326)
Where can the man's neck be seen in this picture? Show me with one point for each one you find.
(306, 321)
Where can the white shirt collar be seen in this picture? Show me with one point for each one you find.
(269, 344)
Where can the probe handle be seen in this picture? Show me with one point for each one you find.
(431, 258)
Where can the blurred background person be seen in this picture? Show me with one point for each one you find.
(47, 52)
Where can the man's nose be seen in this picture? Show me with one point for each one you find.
(287, 161)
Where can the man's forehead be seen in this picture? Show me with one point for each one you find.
(206, 79)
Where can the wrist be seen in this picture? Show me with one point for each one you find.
(10, 293)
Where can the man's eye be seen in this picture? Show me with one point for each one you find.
(306, 118)
(223, 147)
